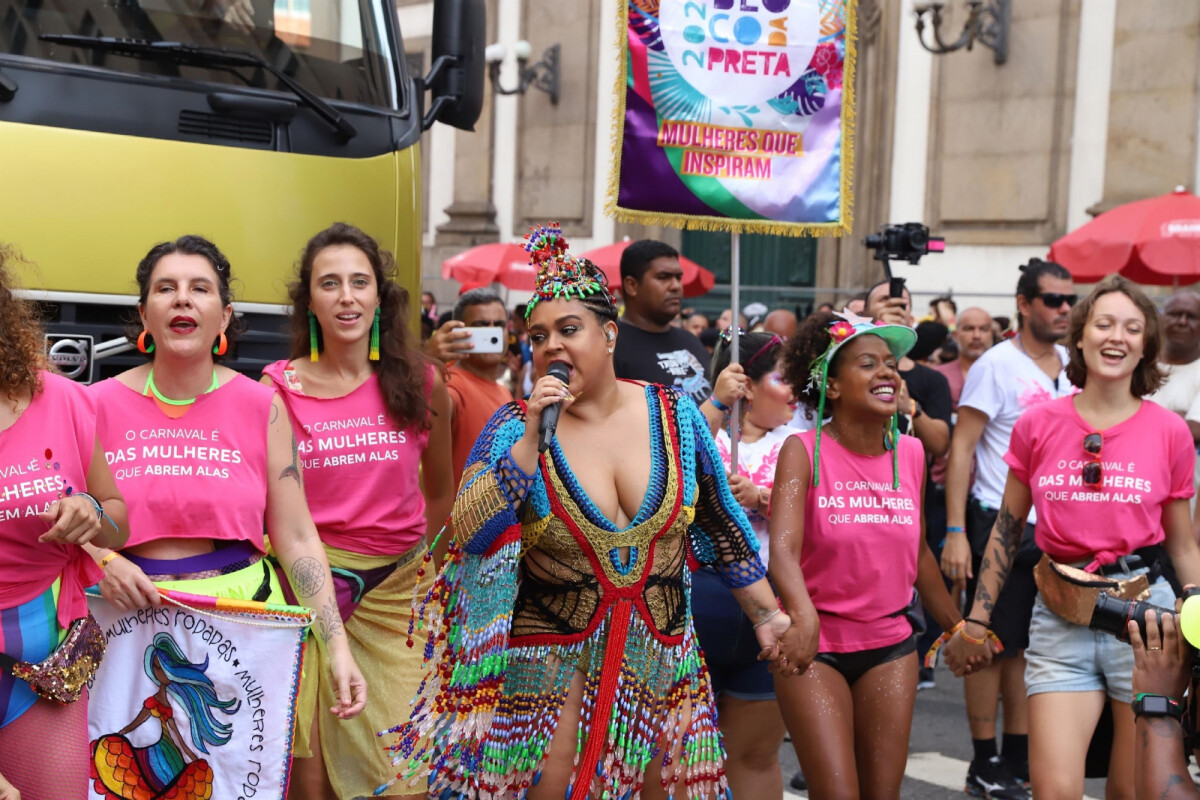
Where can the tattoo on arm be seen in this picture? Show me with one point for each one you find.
(274, 413)
(292, 470)
(999, 557)
(330, 621)
(308, 576)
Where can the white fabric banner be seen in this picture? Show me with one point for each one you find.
(195, 703)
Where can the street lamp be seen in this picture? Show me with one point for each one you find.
(987, 24)
(542, 75)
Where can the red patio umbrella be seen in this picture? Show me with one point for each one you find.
(1155, 241)
(496, 262)
(696, 279)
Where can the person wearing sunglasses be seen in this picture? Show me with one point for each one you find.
(1110, 476)
(748, 714)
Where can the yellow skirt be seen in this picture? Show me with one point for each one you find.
(378, 631)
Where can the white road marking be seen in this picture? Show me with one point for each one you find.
(934, 768)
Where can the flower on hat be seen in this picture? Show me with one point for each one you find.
(841, 330)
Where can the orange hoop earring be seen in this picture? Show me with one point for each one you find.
(144, 343)
(221, 346)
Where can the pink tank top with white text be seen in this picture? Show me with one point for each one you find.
(861, 542)
(361, 470)
(201, 476)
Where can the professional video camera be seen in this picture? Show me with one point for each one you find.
(906, 242)
(1112, 615)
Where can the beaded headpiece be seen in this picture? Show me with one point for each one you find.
(560, 274)
(844, 327)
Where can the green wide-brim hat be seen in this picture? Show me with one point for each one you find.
(900, 339)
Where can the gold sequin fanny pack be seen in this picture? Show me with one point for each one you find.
(61, 676)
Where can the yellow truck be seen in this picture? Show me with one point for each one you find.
(254, 123)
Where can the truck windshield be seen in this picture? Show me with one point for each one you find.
(337, 49)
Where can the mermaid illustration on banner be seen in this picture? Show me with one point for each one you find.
(167, 769)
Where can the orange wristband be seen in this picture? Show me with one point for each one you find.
(104, 562)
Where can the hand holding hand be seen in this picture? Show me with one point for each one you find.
(768, 634)
(798, 645)
(127, 587)
(963, 657)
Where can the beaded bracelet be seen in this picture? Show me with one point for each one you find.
(991, 638)
(718, 405)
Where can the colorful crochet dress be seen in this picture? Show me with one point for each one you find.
(539, 584)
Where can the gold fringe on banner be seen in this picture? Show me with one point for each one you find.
(841, 227)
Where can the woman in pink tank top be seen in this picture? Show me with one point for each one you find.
(372, 420)
(847, 546)
(56, 495)
(204, 457)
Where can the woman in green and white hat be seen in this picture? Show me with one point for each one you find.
(847, 547)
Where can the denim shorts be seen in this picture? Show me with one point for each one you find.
(727, 639)
(1063, 657)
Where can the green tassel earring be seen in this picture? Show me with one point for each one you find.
(313, 351)
(374, 354)
(820, 424)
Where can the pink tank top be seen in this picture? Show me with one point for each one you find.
(202, 476)
(861, 541)
(45, 452)
(361, 471)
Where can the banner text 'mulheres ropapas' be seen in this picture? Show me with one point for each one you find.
(719, 152)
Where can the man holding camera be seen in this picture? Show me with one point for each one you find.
(475, 393)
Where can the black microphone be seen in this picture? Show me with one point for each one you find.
(550, 413)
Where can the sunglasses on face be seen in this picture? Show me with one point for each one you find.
(1093, 471)
(1055, 300)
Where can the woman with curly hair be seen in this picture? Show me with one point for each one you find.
(207, 461)
(57, 494)
(371, 418)
(847, 546)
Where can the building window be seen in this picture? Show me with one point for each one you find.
(778, 271)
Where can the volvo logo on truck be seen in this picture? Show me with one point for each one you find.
(72, 355)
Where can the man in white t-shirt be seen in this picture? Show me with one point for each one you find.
(1005, 381)
(1180, 359)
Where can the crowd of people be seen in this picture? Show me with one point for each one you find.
(652, 571)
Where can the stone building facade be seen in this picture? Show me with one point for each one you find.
(1097, 104)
